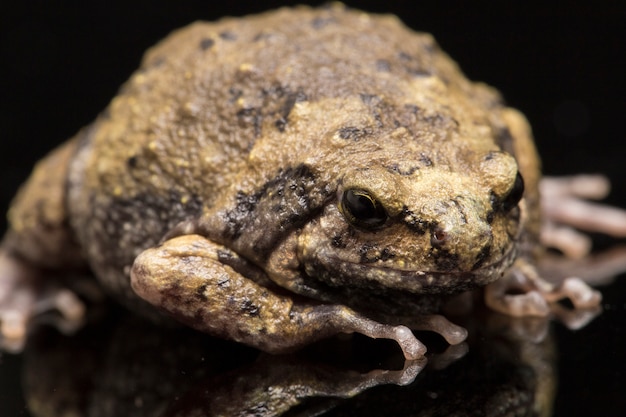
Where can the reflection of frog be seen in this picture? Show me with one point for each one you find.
(283, 177)
(98, 372)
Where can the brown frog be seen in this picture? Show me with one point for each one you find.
(279, 178)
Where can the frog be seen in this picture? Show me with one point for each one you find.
(280, 178)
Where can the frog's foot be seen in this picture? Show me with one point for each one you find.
(23, 297)
(523, 293)
(566, 209)
(340, 319)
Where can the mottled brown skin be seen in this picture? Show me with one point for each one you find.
(213, 185)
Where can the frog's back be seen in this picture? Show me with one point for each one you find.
(218, 109)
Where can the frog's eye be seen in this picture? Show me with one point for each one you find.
(362, 209)
(515, 195)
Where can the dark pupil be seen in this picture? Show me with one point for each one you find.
(515, 195)
(362, 209)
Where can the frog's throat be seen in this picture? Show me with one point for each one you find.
(340, 273)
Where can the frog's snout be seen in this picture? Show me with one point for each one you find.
(460, 237)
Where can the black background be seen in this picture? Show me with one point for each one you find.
(561, 63)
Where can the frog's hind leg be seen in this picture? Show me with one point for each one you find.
(210, 288)
(38, 241)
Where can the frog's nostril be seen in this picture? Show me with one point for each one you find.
(438, 237)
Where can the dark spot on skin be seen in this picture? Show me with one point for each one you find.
(412, 108)
(353, 133)
(174, 294)
(431, 46)
(277, 102)
(369, 98)
(403, 56)
(413, 66)
(200, 292)
(249, 308)
(414, 223)
(250, 116)
(504, 139)
(377, 106)
(290, 102)
(395, 168)
(444, 259)
(482, 257)
(206, 43)
(274, 91)
(223, 282)
(419, 72)
(383, 65)
(228, 36)
(235, 94)
(260, 36)
(280, 124)
(414, 113)
(131, 162)
(337, 242)
(157, 62)
(370, 253)
(386, 254)
(440, 120)
(245, 205)
(425, 160)
(321, 22)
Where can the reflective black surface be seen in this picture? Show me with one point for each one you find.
(560, 63)
(126, 366)
(122, 365)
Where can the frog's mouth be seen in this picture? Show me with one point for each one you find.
(336, 272)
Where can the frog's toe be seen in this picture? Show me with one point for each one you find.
(578, 292)
(565, 208)
(572, 243)
(13, 327)
(411, 347)
(24, 298)
(531, 303)
(14, 318)
(437, 323)
(577, 318)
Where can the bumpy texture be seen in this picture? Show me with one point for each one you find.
(327, 153)
(256, 123)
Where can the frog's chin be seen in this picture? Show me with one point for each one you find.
(336, 272)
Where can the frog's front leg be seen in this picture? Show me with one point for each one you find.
(202, 284)
(522, 292)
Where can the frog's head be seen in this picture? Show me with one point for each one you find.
(417, 227)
